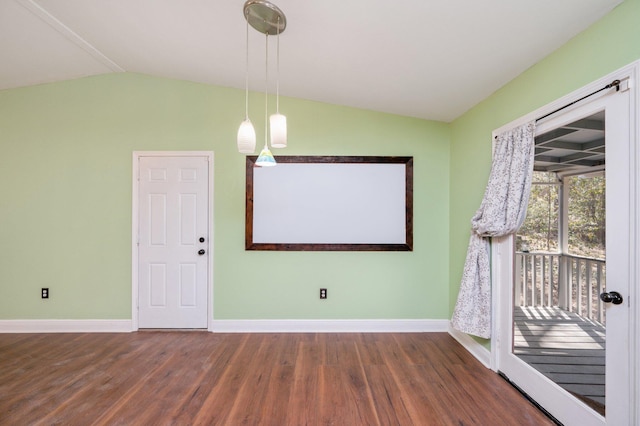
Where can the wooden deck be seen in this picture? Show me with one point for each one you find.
(565, 347)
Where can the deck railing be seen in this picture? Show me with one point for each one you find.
(570, 282)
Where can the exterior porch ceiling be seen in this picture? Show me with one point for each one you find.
(576, 147)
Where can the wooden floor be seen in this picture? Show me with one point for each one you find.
(200, 378)
(565, 347)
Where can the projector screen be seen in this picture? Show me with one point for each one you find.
(330, 203)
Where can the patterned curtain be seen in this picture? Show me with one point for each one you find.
(501, 212)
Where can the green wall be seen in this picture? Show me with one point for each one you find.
(65, 188)
(609, 44)
(65, 202)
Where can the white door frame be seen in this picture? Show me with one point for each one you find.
(502, 248)
(135, 217)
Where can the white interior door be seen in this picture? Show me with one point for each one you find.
(619, 219)
(173, 242)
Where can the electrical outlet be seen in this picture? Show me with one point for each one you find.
(323, 293)
(45, 293)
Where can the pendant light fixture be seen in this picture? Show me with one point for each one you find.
(277, 121)
(265, 159)
(246, 132)
(268, 19)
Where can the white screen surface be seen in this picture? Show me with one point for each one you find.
(330, 203)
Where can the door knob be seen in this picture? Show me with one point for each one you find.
(201, 252)
(611, 297)
(201, 239)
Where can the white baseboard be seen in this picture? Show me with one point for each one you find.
(65, 326)
(481, 353)
(236, 326)
(329, 326)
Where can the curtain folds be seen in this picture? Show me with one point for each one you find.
(502, 211)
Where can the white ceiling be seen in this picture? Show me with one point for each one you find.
(420, 58)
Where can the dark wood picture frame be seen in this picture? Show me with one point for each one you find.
(407, 245)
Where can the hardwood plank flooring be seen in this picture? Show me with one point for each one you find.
(200, 378)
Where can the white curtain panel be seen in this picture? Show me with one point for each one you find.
(501, 212)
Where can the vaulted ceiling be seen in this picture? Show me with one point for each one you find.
(421, 58)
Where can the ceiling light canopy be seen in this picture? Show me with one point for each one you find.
(268, 19)
(265, 17)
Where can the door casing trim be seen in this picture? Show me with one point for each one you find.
(135, 217)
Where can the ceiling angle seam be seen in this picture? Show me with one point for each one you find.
(69, 34)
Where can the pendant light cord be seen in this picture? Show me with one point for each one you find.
(278, 68)
(246, 74)
(266, 82)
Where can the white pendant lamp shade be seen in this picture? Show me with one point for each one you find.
(278, 124)
(266, 158)
(246, 137)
